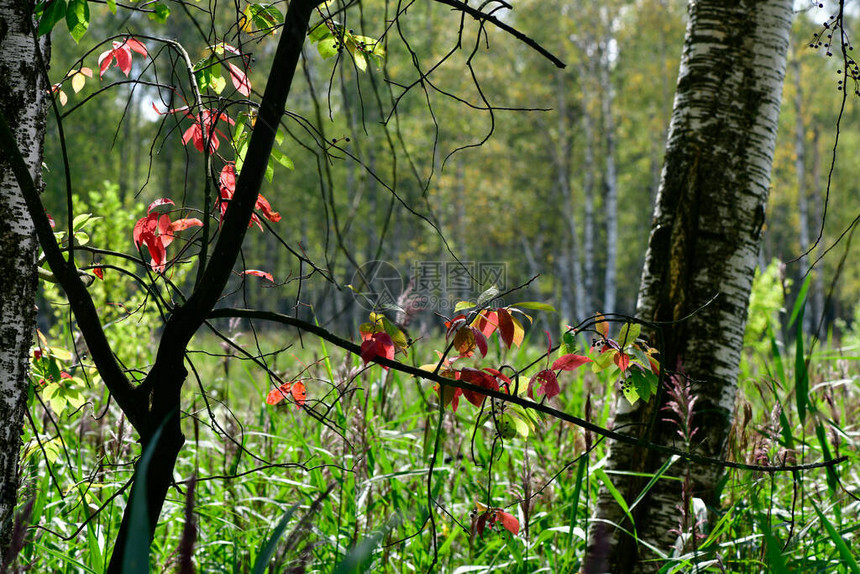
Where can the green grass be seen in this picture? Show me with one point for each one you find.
(374, 456)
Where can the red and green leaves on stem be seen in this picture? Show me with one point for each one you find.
(261, 17)
(381, 338)
(204, 129)
(156, 232)
(208, 72)
(50, 378)
(629, 355)
(494, 517)
(332, 38)
(547, 379)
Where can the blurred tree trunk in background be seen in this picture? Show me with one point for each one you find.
(23, 96)
(610, 183)
(704, 244)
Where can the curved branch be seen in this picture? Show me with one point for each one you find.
(527, 404)
(478, 15)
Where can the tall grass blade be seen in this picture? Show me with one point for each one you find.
(601, 474)
(357, 560)
(845, 552)
(801, 374)
(136, 556)
(261, 564)
(654, 480)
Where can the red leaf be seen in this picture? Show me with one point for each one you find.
(450, 396)
(99, 272)
(481, 379)
(622, 360)
(454, 324)
(498, 375)
(294, 388)
(240, 80)
(482, 522)
(377, 345)
(156, 232)
(299, 394)
(487, 322)
(263, 205)
(601, 325)
(227, 185)
(548, 383)
(123, 59)
(510, 523)
(570, 362)
(277, 395)
(480, 340)
(121, 53)
(203, 130)
(159, 202)
(136, 45)
(506, 327)
(258, 273)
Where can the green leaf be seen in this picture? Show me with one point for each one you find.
(60, 354)
(261, 564)
(217, 83)
(358, 58)
(463, 305)
(270, 171)
(53, 13)
(630, 391)
(328, 47)
(282, 158)
(845, 552)
(358, 558)
(488, 296)
(160, 14)
(603, 360)
(320, 32)
(112, 6)
(77, 18)
(537, 306)
(398, 337)
(569, 339)
(641, 382)
(832, 479)
(628, 334)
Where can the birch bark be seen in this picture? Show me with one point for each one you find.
(704, 242)
(22, 103)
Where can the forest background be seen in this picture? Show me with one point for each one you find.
(563, 190)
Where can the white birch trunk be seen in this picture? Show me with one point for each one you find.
(22, 99)
(704, 242)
